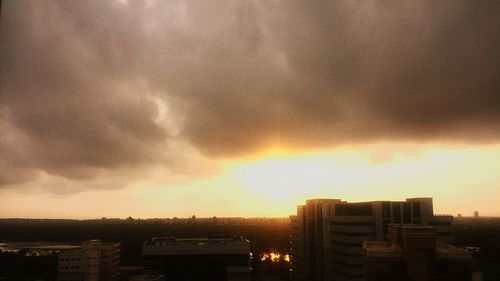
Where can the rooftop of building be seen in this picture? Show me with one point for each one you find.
(17, 246)
(323, 200)
(406, 238)
(46, 246)
(212, 245)
(382, 249)
(385, 249)
(218, 238)
(336, 200)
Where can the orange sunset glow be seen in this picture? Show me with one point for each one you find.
(272, 182)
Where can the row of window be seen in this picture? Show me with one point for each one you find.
(353, 223)
(353, 209)
(358, 234)
(352, 255)
(69, 267)
(349, 244)
(409, 209)
(70, 259)
(360, 265)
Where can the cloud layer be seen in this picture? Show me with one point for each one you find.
(92, 88)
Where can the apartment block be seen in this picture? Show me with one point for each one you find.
(94, 261)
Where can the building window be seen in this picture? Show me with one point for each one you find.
(396, 212)
(416, 209)
(386, 209)
(353, 209)
(385, 225)
(406, 212)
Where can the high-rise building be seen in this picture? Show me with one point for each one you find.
(326, 241)
(94, 261)
(413, 254)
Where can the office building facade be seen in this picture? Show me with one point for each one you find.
(326, 239)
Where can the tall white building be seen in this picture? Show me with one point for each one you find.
(327, 234)
(94, 261)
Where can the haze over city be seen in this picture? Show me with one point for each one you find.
(246, 108)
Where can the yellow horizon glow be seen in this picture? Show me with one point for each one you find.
(461, 179)
(383, 171)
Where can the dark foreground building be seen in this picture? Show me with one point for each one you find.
(217, 257)
(326, 239)
(413, 254)
(28, 265)
(90, 260)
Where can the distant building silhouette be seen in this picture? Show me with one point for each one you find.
(413, 254)
(217, 257)
(476, 214)
(326, 241)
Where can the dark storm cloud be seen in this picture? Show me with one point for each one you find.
(73, 106)
(97, 86)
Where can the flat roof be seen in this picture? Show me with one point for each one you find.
(38, 245)
(382, 249)
(387, 249)
(172, 240)
(196, 246)
(17, 246)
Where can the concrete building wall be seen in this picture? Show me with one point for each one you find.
(94, 261)
(70, 266)
(328, 244)
(110, 260)
(413, 253)
(297, 239)
(217, 257)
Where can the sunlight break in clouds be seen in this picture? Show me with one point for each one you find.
(272, 183)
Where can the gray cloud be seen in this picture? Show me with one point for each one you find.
(91, 87)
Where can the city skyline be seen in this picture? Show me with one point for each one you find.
(161, 109)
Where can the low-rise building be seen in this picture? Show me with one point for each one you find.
(414, 254)
(217, 257)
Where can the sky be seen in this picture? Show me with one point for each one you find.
(246, 108)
